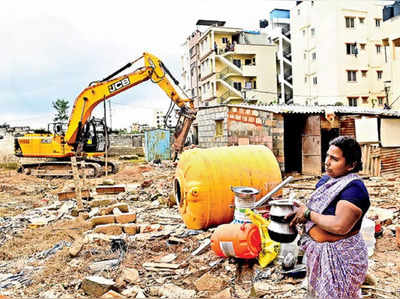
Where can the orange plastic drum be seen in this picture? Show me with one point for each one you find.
(236, 240)
(204, 178)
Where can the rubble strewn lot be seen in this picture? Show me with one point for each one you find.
(134, 243)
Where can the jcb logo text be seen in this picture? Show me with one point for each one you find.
(118, 85)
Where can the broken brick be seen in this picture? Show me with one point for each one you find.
(146, 183)
(103, 202)
(130, 229)
(108, 229)
(106, 219)
(123, 207)
(125, 218)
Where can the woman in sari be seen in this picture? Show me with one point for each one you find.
(337, 258)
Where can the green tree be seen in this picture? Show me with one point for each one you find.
(61, 107)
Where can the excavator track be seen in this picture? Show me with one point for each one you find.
(59, 169)
(111, 166)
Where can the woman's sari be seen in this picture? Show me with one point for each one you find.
(334, 269)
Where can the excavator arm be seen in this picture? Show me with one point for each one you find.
(102, 90)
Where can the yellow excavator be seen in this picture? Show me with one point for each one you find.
(86, 137)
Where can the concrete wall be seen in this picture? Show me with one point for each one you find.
(128, 140)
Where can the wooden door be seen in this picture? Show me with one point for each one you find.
(311, 146)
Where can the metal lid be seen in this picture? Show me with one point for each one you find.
(281, 202)
(243, 191)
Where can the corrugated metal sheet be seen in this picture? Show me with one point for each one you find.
(318, 109)
(347, 126)
(157, 145)
(390, 161)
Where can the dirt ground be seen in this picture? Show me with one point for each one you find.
(35, 259)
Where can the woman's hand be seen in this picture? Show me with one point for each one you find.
(298, 215)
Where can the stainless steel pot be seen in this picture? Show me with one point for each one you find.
(279, 229)
(245, 197)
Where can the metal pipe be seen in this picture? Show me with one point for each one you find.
(272, 192)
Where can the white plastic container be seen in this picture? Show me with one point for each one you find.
(368, 234)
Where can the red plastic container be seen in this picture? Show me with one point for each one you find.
(236, 240)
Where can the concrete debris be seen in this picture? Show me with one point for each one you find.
(104, 265)
(209, 282)
(76, 247)
(130, 275)
(170, 290)
(136, 244)
(96, 286)
(112, 294)
(46, 253)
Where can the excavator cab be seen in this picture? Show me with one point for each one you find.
(95, 138)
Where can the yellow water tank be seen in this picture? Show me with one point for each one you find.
(204, 178)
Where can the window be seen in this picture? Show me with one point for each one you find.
(378, 49)
(361, 20)
(298, 12)
(364, 73)
(378, 22)
(364, 100)
(380, 100)
(305, 79)
(362, 46)
(379, 74)
(352, 101)
(349, 22)
(314, 56)
(224, 40)
(351, 76)
(219, 127)
(312, 31)
(255, 84)
(351, 49)
(237, 85)
(305, 55)
(315, 81)
(247, 61)
(237, 62)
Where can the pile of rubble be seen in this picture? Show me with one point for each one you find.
(129, 241)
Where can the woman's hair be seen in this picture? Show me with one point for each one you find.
(351, 151)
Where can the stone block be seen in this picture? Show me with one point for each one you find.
(96, 286)
(106, 219)
(102, 202)
(125, 218)
(108, 229)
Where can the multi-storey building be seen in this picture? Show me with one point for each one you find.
(159, 119)
(229, 65)
(278, 32)
(391, 43)
(337, 53)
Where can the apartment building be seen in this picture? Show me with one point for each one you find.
(337, 53)
(159, 119)
(391, 42)
(224, 65)
(278, 32)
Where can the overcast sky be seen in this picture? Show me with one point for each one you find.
(54, 49)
